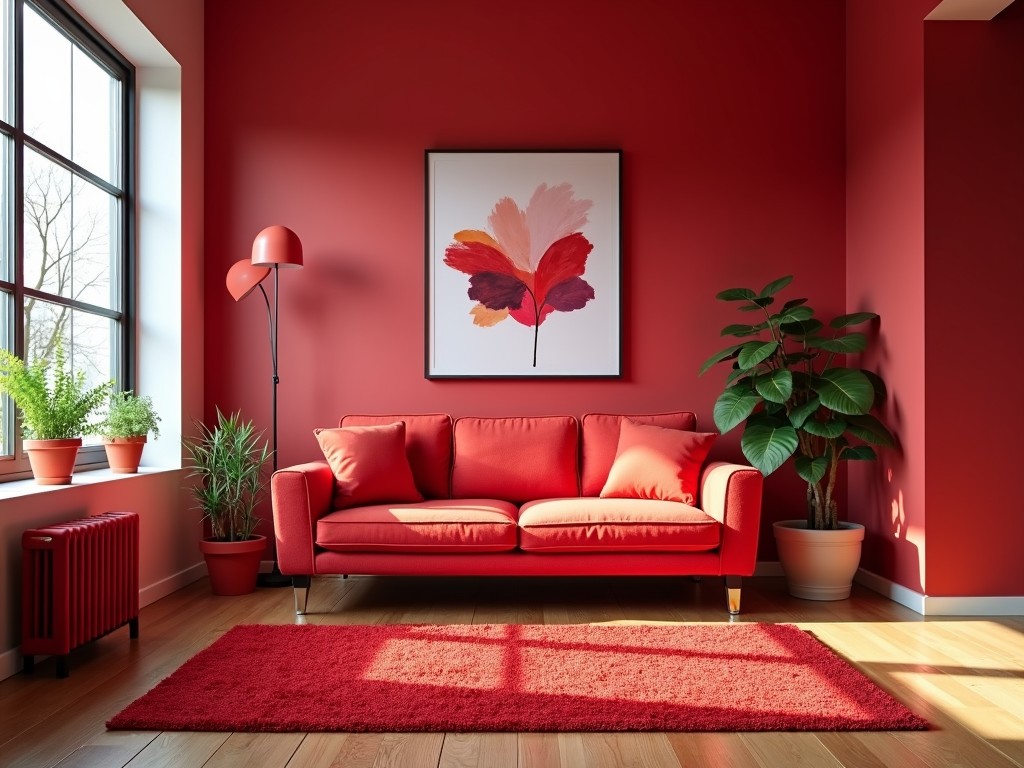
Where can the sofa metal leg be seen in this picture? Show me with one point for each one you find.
(300, 586)
(732, 593)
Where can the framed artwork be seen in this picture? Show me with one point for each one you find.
(523, 264)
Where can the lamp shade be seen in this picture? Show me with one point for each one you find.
(243, 277)
(277, 246)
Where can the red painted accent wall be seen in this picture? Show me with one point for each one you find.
(885, 268)
(934, 244)
(730, 116)
(974, 235)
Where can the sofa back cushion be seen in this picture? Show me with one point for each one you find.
(428, 444)
(601, 441)
(516, 459)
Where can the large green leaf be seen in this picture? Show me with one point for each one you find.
(740, 329)
(844, 390)
(802, 327)
(736, 294)
(776, 285)
(851, 342)
(733, 406)
(767, 446)
(871, 430)
(776, 387)
(811, 470)
(859, 453)
(718, 357)
(828, 429)
(800, 414)
(793, 315)
(753, 353)
(793, 303)
(856, 318)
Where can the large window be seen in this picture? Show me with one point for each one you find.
(65, 192)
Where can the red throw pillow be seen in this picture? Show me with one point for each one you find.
(369, 465)
(657, 463)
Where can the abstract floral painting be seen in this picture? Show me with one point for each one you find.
(523, 264)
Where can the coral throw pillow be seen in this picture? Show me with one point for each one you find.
(369, 465)
(657, 463)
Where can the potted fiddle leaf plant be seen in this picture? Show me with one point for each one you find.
(129, 421)
(55, 406)
(800, 402)
(228, 462)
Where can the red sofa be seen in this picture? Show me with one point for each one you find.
(540, 496)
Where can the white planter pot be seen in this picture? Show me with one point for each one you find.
(819, 565)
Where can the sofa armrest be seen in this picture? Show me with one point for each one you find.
(731, 493)
(300, 495)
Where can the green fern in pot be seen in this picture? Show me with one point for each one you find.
(55, 403)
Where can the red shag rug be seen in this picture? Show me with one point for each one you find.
(492, 677)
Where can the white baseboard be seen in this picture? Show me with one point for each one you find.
(926, 605)
(10, 663)
(164, 587)
(934, 605)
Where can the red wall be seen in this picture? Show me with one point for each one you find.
(934, 244)
(730, 117)
(885, 268)
(974, 235)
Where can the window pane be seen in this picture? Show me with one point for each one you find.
(47, 83)
(70, 248)
(88, 339)
(96, 118)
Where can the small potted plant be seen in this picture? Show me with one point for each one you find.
(228, 461)
(130, 419)
(55, 407)
(799, 399)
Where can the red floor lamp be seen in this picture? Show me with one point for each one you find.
(274, 248)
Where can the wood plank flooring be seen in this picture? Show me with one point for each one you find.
(965, 675)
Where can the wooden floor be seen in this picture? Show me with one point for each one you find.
(966, 676)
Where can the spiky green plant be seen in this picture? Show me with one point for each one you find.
(228, 459)
(790, 385)
(55, 404)
(129, 415)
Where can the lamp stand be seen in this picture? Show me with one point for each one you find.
(275, 578)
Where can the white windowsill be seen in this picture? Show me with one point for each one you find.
(18, 489)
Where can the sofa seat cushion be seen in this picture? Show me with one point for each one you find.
(615, 525)
(439, 525)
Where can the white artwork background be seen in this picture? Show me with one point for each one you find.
(463, 189)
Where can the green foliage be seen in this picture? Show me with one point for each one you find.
(228, 459)
(55, 404)
(129, 415)
(796, 399)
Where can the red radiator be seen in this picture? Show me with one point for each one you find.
(80, 580)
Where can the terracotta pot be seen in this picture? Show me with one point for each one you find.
(124, 453)
(233, 565)
(53, 461)
(819, 565)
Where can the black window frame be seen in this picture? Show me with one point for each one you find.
(14, 465)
